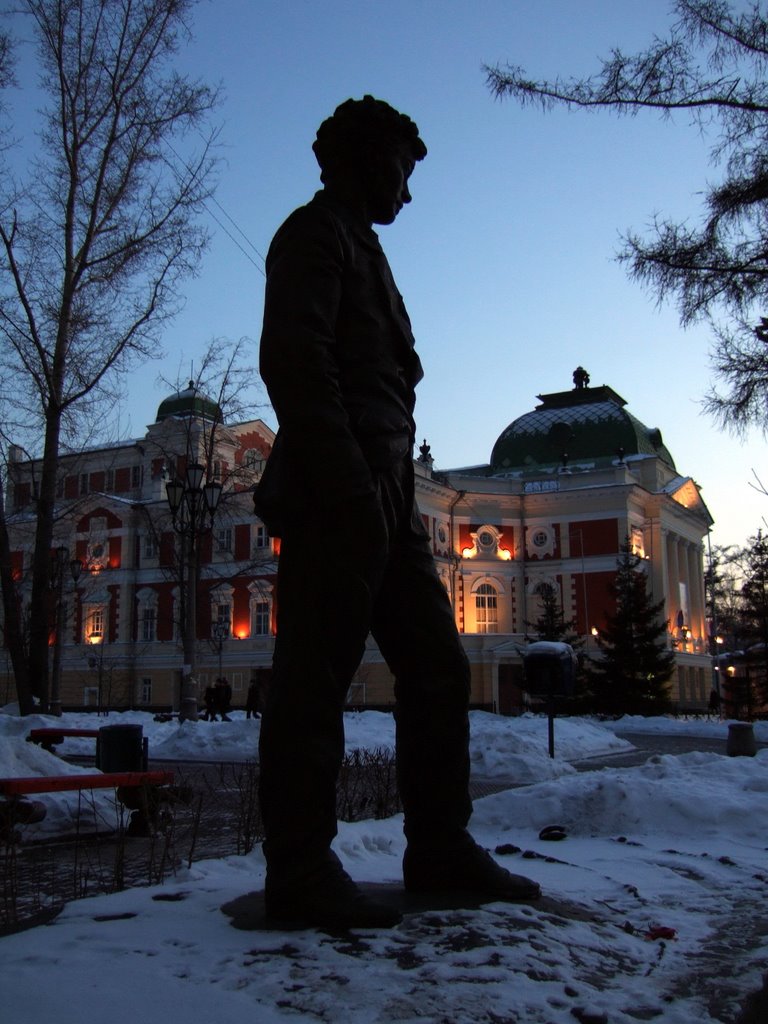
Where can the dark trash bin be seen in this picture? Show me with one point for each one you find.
(741, 740)
(121, 748)
(550, 668)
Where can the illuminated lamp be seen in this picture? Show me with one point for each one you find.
(467, 552)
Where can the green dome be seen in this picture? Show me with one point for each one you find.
(190, 402)
(583, 425)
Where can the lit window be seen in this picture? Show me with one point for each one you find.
(487, 610)
(94, 625)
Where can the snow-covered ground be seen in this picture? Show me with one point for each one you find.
(654, 905)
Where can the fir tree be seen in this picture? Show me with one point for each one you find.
(753, 559)
(632, 676)
(551, 623)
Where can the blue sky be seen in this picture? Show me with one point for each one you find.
(505, 256)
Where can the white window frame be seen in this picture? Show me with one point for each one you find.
(260, 593)
(149, 624)
(486, 607)
(261, 616)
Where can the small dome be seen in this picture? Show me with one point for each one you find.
(190, 402)
(583, 425)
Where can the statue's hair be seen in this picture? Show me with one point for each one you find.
(356, 125)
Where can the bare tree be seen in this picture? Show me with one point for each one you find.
(222, 393)
(711, 66)
(96, 237)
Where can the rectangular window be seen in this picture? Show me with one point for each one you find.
(223, 615)
(260, 537)
(150, 545)
(224, 539)
(146, 690)
(261, 618)
(148, 624)
(137, 476)
(237, 680)
(109, 480)
(83, 483)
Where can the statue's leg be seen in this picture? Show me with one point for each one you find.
(416, 632)
(327, 574)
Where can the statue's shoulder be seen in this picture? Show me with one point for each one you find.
(315, 222)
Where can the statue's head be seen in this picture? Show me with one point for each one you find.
(358, 126)
(360, 143)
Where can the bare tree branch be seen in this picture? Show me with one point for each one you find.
(105, 227)
(713, 64)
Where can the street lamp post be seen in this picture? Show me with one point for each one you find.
(220, 634)
(58, 565)
(193, 506)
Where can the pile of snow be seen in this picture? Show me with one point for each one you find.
(513, 751)
(517, 749)
(664, 725)
(648, 914)
(698, 796)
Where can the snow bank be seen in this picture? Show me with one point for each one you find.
(695, 795)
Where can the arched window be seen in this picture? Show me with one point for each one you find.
(487, 608)
(253, 460)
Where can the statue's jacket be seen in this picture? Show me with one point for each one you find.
(338, 360)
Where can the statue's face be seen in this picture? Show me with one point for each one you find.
(387, 185)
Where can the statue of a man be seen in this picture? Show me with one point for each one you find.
(580, 378)
(338, 359)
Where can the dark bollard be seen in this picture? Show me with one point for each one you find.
(741, 740)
